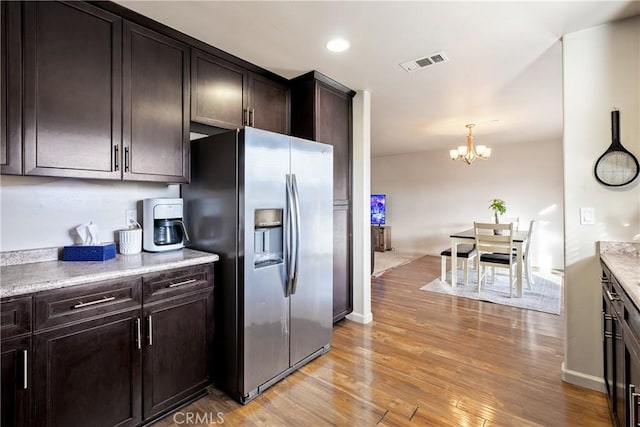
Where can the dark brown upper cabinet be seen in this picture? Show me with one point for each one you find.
(72, 87)
(101, 99)
(268, 104)
(228, 96)
(321, 110)
(155, 106)
(218, 91)
(11, 88)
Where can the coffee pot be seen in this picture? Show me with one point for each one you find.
(163, 224)
(169, 232)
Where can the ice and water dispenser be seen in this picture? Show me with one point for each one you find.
(267, 237)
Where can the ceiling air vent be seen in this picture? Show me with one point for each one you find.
(416, 64)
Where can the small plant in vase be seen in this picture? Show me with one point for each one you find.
(498, 207)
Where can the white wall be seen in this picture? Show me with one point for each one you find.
(42, 212)
(601, 71)
(430, 196)
(360, 218)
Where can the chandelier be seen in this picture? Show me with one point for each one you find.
(469, 153)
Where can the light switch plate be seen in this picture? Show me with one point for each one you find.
(587, 216)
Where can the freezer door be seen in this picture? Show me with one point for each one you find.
(265, 307)
(312, 291)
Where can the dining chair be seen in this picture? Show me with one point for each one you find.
(526, 257)
(465, 253)
(494, 243)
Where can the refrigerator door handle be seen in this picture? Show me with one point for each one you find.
(296, 201)
(288, 238)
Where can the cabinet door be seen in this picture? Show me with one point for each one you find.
(156, 108)
(89, 373)
(10, 89)
(632, 374)
(218, 91)
(607, 346)
(15, 379)
(342, 284)
(178, 350)
(619, 370)
(268, 104)
(72, 90)
(334, 127)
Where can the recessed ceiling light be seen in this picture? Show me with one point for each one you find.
(338, 45)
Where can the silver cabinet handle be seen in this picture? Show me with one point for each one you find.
(186, 282)
(252, 117)
(633, 406)
(116, 151)
(607, 334)
(138, 334)
(150, 326)
(289, 237)
(126, 159)
(612, 297)
(245, 116)
(98, 301)
(25, 383)
(296, 202)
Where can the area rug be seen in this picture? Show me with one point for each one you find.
(545, 295)
(385, 261)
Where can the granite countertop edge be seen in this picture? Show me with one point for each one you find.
(89, 276)
(626, 269)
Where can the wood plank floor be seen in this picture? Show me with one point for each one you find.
(426, 360)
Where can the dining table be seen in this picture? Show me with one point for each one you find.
(469, 236)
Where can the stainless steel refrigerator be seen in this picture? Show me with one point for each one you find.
(263, 202)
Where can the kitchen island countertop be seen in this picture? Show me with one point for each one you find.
(35, 277)
(623, 260)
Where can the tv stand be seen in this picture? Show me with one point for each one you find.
(382, 238)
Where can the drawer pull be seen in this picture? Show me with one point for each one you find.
(138, 335)
(150, 330)
(186, 282)
(25, 377)
(98, 301)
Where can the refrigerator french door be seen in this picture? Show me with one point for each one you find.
(263, 202)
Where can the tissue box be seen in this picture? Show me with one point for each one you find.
(101, 252)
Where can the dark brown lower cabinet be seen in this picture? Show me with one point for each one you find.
(177, 354)
(342, 284)
(632, 374)
(89, 373)
(15, 379)
(110, 354)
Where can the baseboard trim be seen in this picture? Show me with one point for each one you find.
(582, 380)
(360, 318)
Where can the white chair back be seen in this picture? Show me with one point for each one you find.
(488, 241)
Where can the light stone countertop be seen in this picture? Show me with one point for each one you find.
(25, 279)
(623, 259)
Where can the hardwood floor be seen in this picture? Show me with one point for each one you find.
(426, 360)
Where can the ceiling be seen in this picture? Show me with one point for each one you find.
(504, 73)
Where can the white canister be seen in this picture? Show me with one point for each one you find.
(131, 241)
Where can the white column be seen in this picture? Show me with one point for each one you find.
(360, 208)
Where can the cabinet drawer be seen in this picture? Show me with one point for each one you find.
(177, 282)
(83, 302)
(15, 316)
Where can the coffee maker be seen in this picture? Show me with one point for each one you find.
(163, 226)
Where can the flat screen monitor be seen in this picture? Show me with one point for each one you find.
(378, 209)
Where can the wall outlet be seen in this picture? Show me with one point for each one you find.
(131, 217)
